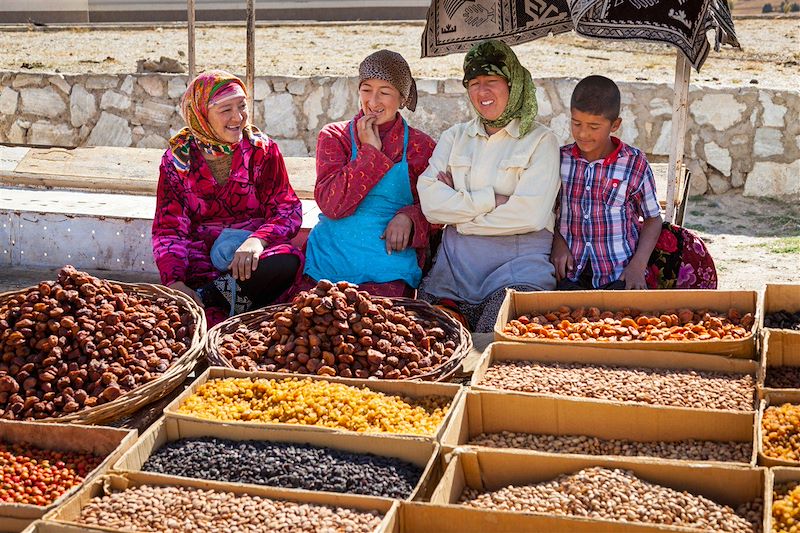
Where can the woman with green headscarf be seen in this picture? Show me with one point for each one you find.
(493, 181)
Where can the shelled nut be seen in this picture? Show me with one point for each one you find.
(697, 450)
(189, 510)
(656, 386)
(615, 494)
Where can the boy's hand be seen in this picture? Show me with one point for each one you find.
(561, 257)
(633, 276)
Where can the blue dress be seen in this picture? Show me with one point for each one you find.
(351, 248)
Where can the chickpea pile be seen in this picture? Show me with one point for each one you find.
(786, 508)
(628, 324)
(315, 402)
(33, 476)
(337, 330)
(780, 432)
(81, 341)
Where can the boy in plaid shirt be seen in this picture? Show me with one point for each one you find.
(606, 187)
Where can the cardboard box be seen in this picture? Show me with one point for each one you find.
(519, 303)
(494, 412)
(515, 351)
(417, 517)
(41, 526)
(108, 442)
(779, 348)
(423, 453)
(71, 509)
(412, 389)
(780, 297)
(493, 470)
(774, 399)
(777, 476)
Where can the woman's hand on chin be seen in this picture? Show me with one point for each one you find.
(367, 130)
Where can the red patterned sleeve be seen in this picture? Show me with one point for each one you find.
(342, 184)
(171, 225)
(420, 148)
(283, 212)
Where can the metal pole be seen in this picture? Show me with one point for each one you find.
(190, 19)
(680, 113)
(251, 55)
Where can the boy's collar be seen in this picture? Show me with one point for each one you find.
(610, 158)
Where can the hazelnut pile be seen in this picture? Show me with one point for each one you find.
(337, 330)
(616, 494)
(628, 324)
(80, 342)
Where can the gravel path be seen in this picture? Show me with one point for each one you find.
(770, 52)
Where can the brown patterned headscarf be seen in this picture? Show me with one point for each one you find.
(390, 67)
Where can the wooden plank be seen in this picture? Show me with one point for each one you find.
(10, 156)
(120, 170)
(190, 24)
(98, 162)
(251, 54)
(680, 112)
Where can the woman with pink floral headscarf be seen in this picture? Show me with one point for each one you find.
(221, 173)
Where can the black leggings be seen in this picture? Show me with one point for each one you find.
(273, 275)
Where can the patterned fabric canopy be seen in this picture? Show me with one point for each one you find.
(454, 25)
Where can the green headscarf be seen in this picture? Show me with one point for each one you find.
(496, 58)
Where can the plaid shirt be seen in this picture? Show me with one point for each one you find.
(601, 203)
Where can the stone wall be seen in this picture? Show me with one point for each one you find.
(738, 138)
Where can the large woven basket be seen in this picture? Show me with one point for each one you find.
(452, 328)
(131, 401)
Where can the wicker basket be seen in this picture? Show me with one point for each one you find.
(452, 328)
(131, 401)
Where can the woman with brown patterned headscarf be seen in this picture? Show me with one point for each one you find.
(371, 230)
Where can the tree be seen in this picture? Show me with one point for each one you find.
(767, 8)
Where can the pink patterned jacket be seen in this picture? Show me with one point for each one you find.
(192, 209)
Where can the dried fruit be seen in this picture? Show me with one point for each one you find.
(81, 341)
(628, 324)
(315, 402)
(34, 476)
(337, 330)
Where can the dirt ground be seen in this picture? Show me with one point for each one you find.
(769, 56)
(753, 241)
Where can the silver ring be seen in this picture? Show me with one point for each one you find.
(247, 258)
